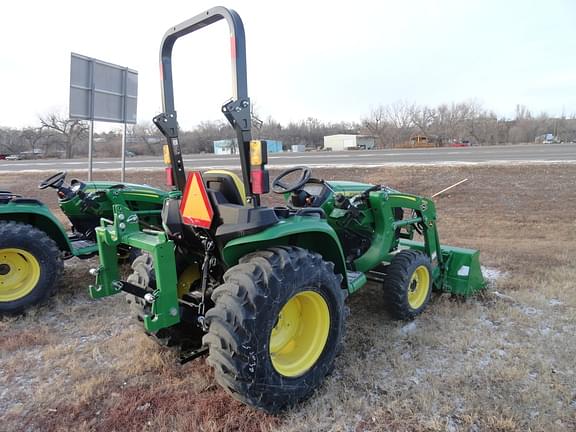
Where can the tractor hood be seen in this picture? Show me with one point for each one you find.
(125, 187)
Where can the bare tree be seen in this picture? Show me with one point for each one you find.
(400, 116)
(71, 132)
(10, 141)
(391, 124)
(423, 119)
(522, 112)
(149, 136)
(201, 139)
(375, 124)
(271, 129)
(484, 128)
(36, 139)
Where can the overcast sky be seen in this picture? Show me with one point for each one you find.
(329, 60)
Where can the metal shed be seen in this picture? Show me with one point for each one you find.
(341, 142)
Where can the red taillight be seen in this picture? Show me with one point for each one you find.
(169, 177)
(259, 180)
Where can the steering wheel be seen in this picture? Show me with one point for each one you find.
(280, 187)
(54, 181)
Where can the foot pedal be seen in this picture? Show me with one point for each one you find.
(191, 354)
(356, 280)
(81, 244)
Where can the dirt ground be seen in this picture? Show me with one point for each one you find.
(501, 361)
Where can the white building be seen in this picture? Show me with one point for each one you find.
(229, 146)
(225, 147)
(296, 148)
(342, 142)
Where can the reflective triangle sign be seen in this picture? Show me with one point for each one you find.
(195, 206)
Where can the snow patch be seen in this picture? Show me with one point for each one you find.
(555, 302)
(545, 331)
(530, 311)
(492, 274)
(408, 328)
(484, 321)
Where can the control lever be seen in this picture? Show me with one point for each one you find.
(88, 202)
(366, 193)
(352, 212)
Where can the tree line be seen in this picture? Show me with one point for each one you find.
(393, 125)
(396, 124)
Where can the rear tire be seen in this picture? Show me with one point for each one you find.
(30, 266)
(408, 284)
(184, 336)
(276, 327)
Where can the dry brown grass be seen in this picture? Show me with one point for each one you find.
(491, 363)
(23, 338)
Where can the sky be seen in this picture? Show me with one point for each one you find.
(330, 60)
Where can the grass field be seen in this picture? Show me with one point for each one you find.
(501, 361)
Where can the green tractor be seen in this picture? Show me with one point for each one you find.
(262, 290)
(34, 243)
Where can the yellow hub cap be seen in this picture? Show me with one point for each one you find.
(300, 334)
(418, 287)
(187, 278)
(19, 273)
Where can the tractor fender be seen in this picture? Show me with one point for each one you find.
(39, 216)
(307, 232)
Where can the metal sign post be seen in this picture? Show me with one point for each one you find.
(123, 175)
(101, 91)
(124, 104)
(91, 128)
(90, 146)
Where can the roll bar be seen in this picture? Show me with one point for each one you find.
(236, 110)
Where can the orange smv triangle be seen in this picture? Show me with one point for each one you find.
(195, 207)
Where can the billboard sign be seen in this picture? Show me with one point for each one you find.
(102, 91)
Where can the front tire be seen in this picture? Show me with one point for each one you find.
(276, 327)
(30, 266)
(408, 284)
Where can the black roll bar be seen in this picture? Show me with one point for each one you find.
(237, 110)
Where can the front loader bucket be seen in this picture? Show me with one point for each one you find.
(463, 276)
(463, 273)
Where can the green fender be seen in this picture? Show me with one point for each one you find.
(39, 216)
(308, 232)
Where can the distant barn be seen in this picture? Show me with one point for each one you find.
(342, 142)
(230, 146)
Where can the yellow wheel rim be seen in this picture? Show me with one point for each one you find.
(187, 278)
(419, 287)
(19, 273)
(300, 334)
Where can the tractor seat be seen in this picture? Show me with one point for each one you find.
(232, 218)
(227, 184)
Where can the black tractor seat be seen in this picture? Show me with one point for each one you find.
(232, 218)
(221, 182)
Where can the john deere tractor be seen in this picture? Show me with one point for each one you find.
(34, 243)
(262, 290)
